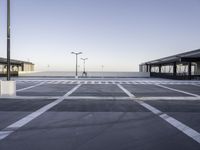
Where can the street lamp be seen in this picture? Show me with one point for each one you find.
(76, 53)
(8, 40)
(84, 72)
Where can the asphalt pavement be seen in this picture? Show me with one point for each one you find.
(101, 114)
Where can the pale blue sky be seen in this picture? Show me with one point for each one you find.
(118, 34)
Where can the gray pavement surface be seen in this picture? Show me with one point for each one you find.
(187, 112)
(99, 115)
(47, 90)
(188, 88)
(99, 90)
(151, 91)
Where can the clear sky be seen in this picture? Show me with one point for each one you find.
(118, 34)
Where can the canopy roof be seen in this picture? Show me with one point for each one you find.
(191, 56)
(16, 62)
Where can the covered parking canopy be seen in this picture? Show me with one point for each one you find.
(16, 66)
(181, 66)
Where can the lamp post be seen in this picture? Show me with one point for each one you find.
(8, 40)
(8, 88)
(84, 72)
(76, 53)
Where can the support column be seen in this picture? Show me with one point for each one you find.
(189, 70)
(147, 68)
(197, 68)
(160, 66)
(22, 67)
(150, 68)
(174, 69)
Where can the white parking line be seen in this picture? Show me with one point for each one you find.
(125, 90)
(189, 98)
(97, 98)
(177, 124)
(114, 82)
(13, 127)
(170, 98)
(2, 98)
(176, 90)
(196, 85)
(30, 87)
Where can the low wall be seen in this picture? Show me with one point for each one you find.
(90, 74)
(12, 73)
(177, 77)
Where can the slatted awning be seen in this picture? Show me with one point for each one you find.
(191, 56)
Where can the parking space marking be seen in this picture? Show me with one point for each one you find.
(176, 90)
(196, 85)
(169, 98)
(126, 91)
(102, 97)
(30, 87)
(111, 82)
(177, 124)
(28, 97)
(13, 127)
(182, 127)
(98, 98)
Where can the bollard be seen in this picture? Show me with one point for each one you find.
(8, 88)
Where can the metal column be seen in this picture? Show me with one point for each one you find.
(160, 66)
(147, 68)
(8, 40)
(189, 70)
(174, 69)
(150, 68)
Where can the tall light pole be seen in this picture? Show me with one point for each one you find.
(76, 53)
(84, 72)
(8, 40)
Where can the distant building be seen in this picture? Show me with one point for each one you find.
(16, 66)
(181, 66)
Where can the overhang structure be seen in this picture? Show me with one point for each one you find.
(181, 66)
(16, 66)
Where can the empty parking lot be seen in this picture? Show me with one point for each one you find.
(96, 114)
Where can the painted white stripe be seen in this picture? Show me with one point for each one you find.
(125, 91)
(51, 82)
(30, 87)
(189, 98)
(28, 97)
(149, 107)
(196, 85)
(13, 127)
(4, 134)
(177, 124)
(176, 90)
(182, 127)
(169, 98)
(98, 97)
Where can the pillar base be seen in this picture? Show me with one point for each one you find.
(7, 88)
